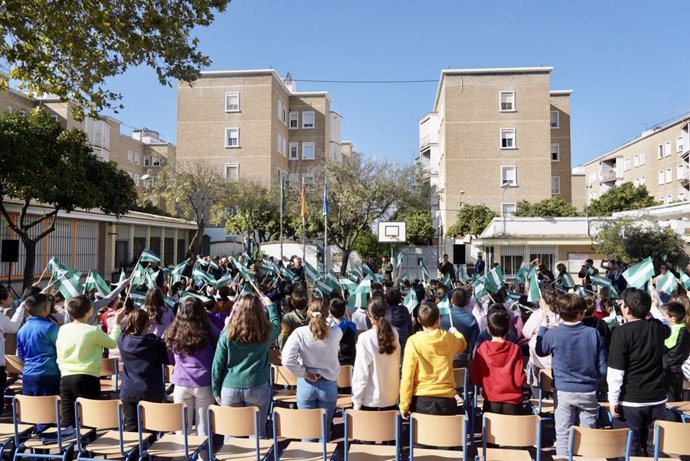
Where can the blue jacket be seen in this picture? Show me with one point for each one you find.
(579, 356)
(143, 358)
(465, 323)
(36, 347)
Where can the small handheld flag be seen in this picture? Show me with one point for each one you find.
(411, 301)
(534, 294)
(638, 274)
(148, 256)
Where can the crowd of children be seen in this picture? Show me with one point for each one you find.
(403, 356)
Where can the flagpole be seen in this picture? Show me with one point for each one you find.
(282, 200)
(325, 226)
(304, 224)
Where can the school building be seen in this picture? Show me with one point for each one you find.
(88, 240)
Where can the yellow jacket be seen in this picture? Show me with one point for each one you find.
(427, 369)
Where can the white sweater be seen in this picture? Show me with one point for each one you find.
(9, 326)
(303, 354)
(376, 376)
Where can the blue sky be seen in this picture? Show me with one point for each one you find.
(628, 62)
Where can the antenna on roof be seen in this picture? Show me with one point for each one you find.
(288, 79)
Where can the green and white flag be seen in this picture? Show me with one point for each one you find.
(310, 273)
(138, 297)
(567, 281)
(285, 273)
(202, 277)
(148, 256)
(613, 293)
(68, 284)
(444, 305)
(398, 259)
(94, 281)
(57, 268)
(224, 280)
(358, 299)
(151, 278)
(603, 282)
(201, 261)
(169, 302)
(189, 294)
(479, 285)
(347, 285)
(332, 281)
(666, 283)
(410, 301)
(637, 275)
(513, 297)
(494, 280)
(177, 271)
(246, 290)
(534, 294)
(123, 277)
(684, 280)
(521, 274)
(425, 272)
(582, 291)
(357, 273)
(138, 275)
(323, 288)
(447, 281)
(369, 273)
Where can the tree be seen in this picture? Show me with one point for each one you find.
(42, 163)
(251, 209)
(71, 48)
(621, 198)
(418, 224)
(554, 207)
(193, 188)
(367, 244)
(361, 193)
(630, 240)
(471, 220)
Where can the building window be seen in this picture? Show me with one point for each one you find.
(555, 152)
(232, 137)
(626, 164)
(636, 160)
(308, 119)
(661, 177)
(293, 151)
(660, 151)
(509, 176)
(232, 102)
(669, 175)
(308, 179)
(155, 161)
(137, 158)
(232, 172)
(555, 122)
(679, 144)
(293, 179)
(147, 160)
(282, 112)
(280, 144)
(507, 101)
(680, 172)
(667, 149)
(130, 156)
(508, 138)
(307, 151)
(643, 159)
(555, 185)
(294, 120)
(508, 209)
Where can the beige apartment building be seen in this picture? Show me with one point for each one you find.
(495, 137)
(140, 154)
(254, 125)
(659, 159)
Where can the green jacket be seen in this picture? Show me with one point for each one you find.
(241, 366)
(291, 321)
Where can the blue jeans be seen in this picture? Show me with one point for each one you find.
(320, 394)
(258, 396)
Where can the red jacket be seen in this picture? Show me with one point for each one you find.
(498, 369)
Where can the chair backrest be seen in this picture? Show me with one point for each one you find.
(98, 414)
(282, 376)
(13, 364)
(37, 410)
(108, 367)
(298, 424)
(233, 421)
(460, 374)
(344, 376)
(437, 430)
(511, 431)
(599, 443)
(161, 417)
(275, 357)
(371, 426)
(672, 438)
(545, 380)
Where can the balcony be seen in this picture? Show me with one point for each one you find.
(609, 176)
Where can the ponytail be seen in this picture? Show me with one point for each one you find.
(384, 330)
(318, 312)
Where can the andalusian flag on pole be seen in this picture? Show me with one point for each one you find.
(224, 280)
(187, 294)
(94, 281)
(138, 297)
(666, 283)
(567, 281)
(368, 272)
(444, 306)
(123, 277)
(310, 272)
(57, 268)
(357, 273)
(495, 280)
(347, 285)
(202, 277)
(520, 276)
(148, 256)
(447, 281)
(322, 288)
(332, 281)
(284, 272)
(637, 275)
(411, 301)
(177, 271)
(425, 272)
(603, 282)
(138, 275)
(398, 259)
(68, 284)
(534, 294)
(358, 299)
(479, 285)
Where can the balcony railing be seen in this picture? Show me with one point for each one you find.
(609, 176)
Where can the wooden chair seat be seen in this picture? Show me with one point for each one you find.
(307, 451)
(344, 401)
(172, 445)
(35, 442)
(361, 452)
(108, 444)
(547, 405)
(107, 385)
(7, 429)
(429, 454)
(243, 449)
(504, 454)
(285, 396)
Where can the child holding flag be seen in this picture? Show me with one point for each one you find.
(676, 349)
